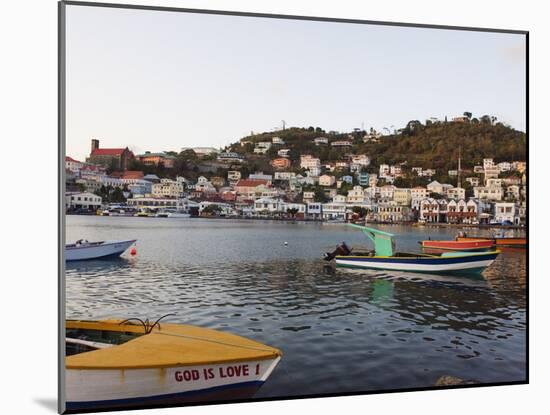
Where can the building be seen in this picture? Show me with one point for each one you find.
(419, 192)
(167, 189)
(266, 205)
(314, 210)
(392, 212)
(506, 211)
(460, 211)
(384, 170)
(513, 192)
(277, 141)
(308, 197)
(230, 157)
(433, 210)
(85, 200)
(334, 211)
(474, 181)
(307, 162)
(341, 144)
(460, 119)
(261, 176)
(141, 187)
(262, 147)
(326, 180)
(248, 189)
(284, 175)
(73, 165)
(320, 141)
(356, 195)
(347, 179)
(284, 152)
(456, 193)
(504, 166)
(402, 197)
(281, 163)
(217, 181)
(155, 159)
(111, 158)
(488, 193)
(387, 191)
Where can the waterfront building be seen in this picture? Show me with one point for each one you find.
(111, 158)
(314, 210)
(506, 211)
(326, 180)
(392, 212)
(230, 157)
(460, 211)
(433, 210)
(300, 207)
(155, 159)
(334, 211)
(84, 200)
(267, 205)
(281, 163)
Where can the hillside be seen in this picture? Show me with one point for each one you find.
(435, 145)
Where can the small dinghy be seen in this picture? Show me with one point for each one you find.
(116, 364)
(499, 241)
(83, 250)
(385, 257)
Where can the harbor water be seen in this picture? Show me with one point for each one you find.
(339, 330)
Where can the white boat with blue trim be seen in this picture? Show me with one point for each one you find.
(384, 257)
(115, 364)
(83, 250)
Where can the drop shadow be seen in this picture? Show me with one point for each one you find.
(48, 403)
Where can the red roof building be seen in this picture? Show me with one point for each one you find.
(111, 158)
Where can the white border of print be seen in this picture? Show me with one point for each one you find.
(29, 252)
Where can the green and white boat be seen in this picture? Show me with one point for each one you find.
(384, 257)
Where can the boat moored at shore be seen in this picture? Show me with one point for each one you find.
(115, 364)
(469, 245)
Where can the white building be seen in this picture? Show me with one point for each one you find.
(356, 195)
(488, 193)
(262, 147)
(261, 176)
(83, 200)
(506, 211)
(334, 211)
(284, 175)
(419, 192)
(474, 181)
(284, 152)
(456, 193)
(278, 141)
(320, 140)
(308, 162)
(233, 177)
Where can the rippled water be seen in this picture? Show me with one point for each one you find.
(340, 330)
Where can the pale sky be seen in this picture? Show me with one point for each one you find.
(157, 81)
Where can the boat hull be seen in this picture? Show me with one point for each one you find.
(472, 263)
(104, 250)
(501, 242)
(470, 245)
(93, 389)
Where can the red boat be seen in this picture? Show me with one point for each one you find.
(470, 245)
(500, 242)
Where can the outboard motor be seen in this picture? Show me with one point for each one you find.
(341, 249)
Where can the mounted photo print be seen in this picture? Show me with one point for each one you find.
(258, 207)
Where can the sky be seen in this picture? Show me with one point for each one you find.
(158, 81)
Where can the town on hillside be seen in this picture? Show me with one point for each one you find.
(463, 171)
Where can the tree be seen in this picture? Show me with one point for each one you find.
(468, 114)
(292, 211)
